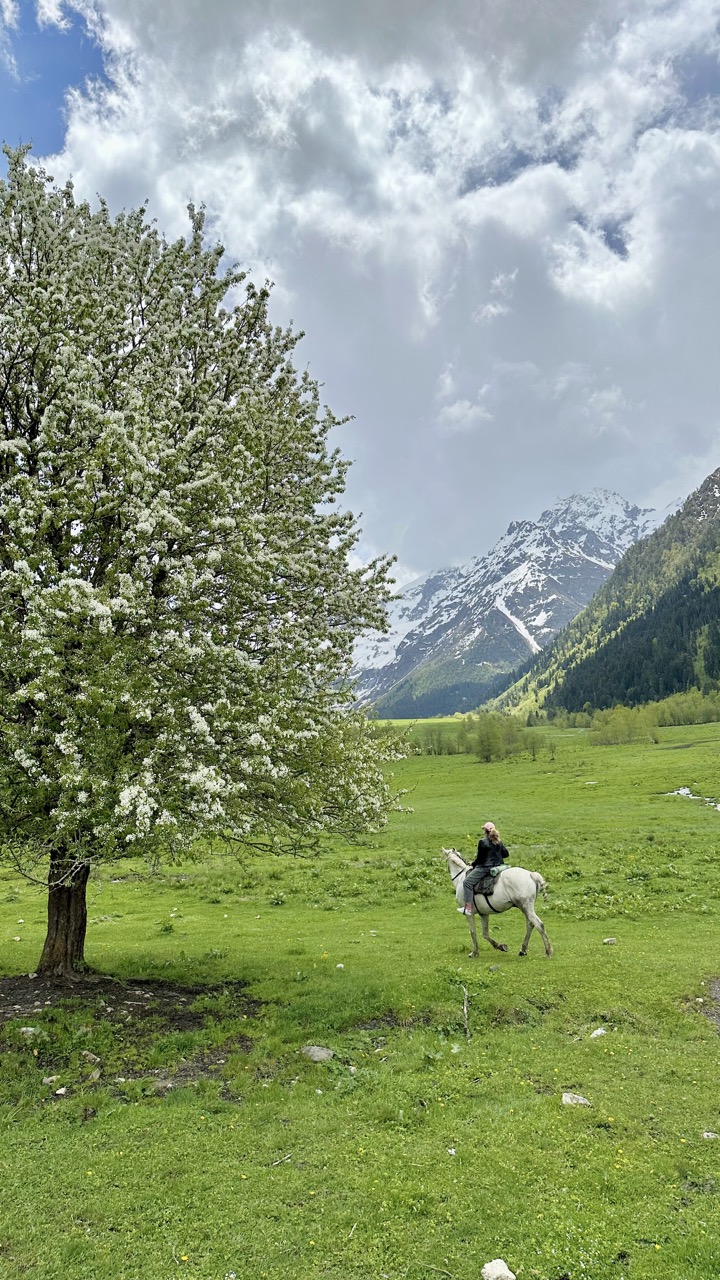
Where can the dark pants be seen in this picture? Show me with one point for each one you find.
(473, 878)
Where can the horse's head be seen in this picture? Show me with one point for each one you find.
(455, 861)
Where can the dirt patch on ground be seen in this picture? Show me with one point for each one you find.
(133, 1023)
(712, 1008)
(166, 1003)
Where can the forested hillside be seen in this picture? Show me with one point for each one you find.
(653, 629)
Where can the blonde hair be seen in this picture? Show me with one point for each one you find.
(492, 832)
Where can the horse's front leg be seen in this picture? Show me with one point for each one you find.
(499, 946)
(473, 934)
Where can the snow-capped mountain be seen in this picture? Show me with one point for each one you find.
(454, 632)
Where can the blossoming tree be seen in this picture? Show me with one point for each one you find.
(177, 602)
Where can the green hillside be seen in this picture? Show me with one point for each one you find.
(441, 688)
(652, 630)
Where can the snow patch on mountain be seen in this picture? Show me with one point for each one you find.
(518, 625)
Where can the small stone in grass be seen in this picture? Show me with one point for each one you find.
(575, 1100)
(497, 1270)
(50, 1079)
(28, 1031)
(600, 1031)
(708, 1133)
(316, 1053)
(60, 1093)
(609, 942)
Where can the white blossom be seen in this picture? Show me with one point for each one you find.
(177, 596)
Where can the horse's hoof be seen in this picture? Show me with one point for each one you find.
(502, 946)
(522, 953)
(473, 955)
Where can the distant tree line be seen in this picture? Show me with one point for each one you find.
(629, 724)
(493, 735)
(488, 735)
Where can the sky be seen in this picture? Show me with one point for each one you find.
(496, 221)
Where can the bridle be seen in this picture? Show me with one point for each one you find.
(457, 873)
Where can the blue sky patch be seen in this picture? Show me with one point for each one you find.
(699, 76)
(48, 62)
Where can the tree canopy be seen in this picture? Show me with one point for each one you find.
(177, 602)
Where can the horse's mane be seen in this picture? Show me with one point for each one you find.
(456, 856)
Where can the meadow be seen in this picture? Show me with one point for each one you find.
(193, 1138)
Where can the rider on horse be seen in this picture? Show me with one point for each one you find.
(490, 854)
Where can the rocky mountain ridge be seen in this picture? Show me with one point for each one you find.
(453, 634)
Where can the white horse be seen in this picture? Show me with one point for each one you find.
(514, 887)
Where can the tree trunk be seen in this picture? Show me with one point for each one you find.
(63, 955)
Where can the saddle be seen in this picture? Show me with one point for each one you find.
(486, 886)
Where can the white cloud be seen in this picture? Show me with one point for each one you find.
(540, 169)
(9, 15)
(446, 383)
(462, 415)
(490, 311)
(606, 407)
(51, 13)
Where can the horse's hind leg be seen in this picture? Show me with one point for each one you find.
(473, 935)
(499, 946)
(528, 933)
(534, 922)
(541, 930)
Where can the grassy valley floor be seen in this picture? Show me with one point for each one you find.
(195, 1139)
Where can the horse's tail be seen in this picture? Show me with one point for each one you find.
(540, 882)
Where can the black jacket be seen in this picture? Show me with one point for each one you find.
(490, 854)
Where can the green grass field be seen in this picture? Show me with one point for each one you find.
(430, 1143)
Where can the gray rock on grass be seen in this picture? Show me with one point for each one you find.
(497, 1270)
(575, 1100)
(316, 1053)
